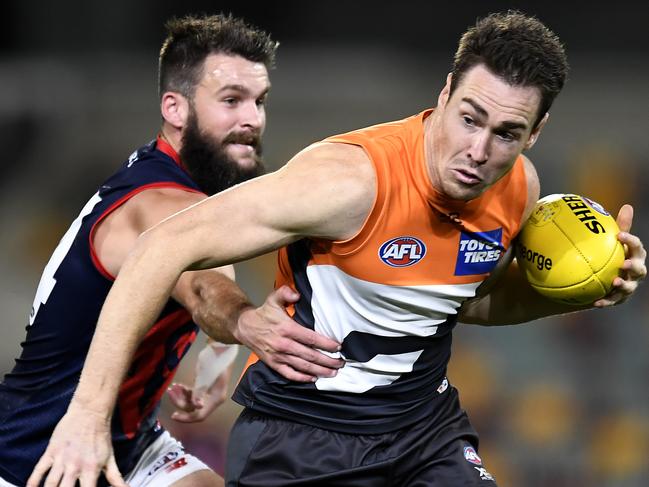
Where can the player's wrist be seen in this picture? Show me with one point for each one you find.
(238, 327)
(213, 360)
(100, 412)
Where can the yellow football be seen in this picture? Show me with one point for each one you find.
(568, 249)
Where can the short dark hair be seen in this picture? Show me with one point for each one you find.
(518, 48)
(191, 39)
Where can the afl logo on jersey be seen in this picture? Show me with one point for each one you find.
(402, 251)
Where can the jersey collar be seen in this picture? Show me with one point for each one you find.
(165, 147)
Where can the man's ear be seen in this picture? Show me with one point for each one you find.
(174, 108)
(442, 99)
(535, 133)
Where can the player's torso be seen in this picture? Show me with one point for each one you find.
(391, 294)
(71, 292)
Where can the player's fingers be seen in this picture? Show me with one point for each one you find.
(633, 244)
(181, 396)
(300, 365)
(624, 287)
(70, 478)
(290, 373)
(283, 296)
(621, 291)
(604, 302)
(87, 479)
(290, 347)
(54, 477)
(112, 473)
(198, 398)
(635, 264)
(193, 417)
(309, 338)
(39, 471)
(311, 361)
(625, 218)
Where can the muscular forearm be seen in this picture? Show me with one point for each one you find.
(129, 311)
(512, 301)
(216, 305)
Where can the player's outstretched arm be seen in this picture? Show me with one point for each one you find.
(326, 191)
(223, 312)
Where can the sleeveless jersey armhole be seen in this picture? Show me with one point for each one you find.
(91, 235)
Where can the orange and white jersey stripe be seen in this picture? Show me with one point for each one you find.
(391, 293)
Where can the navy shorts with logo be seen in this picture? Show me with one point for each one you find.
(439, 451)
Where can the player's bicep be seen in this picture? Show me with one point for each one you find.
(478, 309)
(326, 191)
(152, 206)
(116, 233)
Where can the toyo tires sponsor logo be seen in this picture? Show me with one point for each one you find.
(478, 252)
(402, 251)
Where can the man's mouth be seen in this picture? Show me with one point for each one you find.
(467, 176)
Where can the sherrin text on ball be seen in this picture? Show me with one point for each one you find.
(568, 249)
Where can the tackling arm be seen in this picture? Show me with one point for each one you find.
(325, 191)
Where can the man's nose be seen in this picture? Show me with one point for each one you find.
(252, 115)
(479, 149)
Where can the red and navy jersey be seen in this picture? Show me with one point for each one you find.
(36, 393)
(390, 294)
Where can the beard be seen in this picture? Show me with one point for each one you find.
(209, 165)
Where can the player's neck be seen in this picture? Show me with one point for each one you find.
(430, 130)
(172, 136)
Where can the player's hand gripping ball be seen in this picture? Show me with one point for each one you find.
(568, 249)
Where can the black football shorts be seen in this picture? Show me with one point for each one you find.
(439, 451)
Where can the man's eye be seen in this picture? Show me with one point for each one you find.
(506, 136)
(468, 120)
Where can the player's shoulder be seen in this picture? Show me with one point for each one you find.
(150, 206)
(333, 160)
(165, 196)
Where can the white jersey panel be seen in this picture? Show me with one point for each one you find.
(360, 377)
(343, 304)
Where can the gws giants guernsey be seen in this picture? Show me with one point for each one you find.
(73, 287)
(390, 294)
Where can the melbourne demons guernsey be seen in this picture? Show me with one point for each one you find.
(73, 287)
(391, 293)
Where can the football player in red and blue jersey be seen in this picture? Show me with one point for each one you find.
(213, 83)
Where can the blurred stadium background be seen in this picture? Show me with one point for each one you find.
(560, 402)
